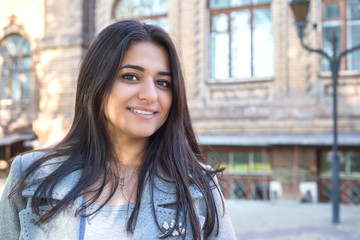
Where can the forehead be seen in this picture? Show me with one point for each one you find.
(147, 55)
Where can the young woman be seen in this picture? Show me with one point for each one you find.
(130, 166)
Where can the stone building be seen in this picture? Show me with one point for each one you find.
(260, 103)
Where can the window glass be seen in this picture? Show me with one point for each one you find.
(330, 29)
(160, 7)
(220, 47)
(219, 4)
(354, 162)
(332, 10)
(238, 3)
(219, 157)
(326, 161)
(241, 40)
(5, 83)
(353, 9)
(15, 85)
(16, 64)
(263, 40)
(240, 162)
(151, 11)
(354, 40)
(162, 22)
(258, 164)
(353, 34)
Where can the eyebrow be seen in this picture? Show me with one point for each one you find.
(162, 73)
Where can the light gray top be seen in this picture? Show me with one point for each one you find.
(108, 223)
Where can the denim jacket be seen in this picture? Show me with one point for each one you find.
(17, 220)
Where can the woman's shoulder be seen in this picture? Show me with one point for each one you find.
(23, 161)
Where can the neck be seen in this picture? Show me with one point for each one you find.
(130, 152)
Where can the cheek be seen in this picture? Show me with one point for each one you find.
(109, 107)
(167, 103)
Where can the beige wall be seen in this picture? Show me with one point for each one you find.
(60, 52)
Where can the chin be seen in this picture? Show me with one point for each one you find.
(144, 134)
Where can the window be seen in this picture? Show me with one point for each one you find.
(342, 18)
(241, 39)
(150, 11)
(349, 163)
(15, 68)
(242, 162)
(219, 158)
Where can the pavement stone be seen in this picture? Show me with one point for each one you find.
(292, 220)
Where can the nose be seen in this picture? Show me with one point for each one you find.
(148, 91)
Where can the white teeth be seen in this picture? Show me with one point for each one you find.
(141, 111)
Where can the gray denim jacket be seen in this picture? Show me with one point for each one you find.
(17, 221)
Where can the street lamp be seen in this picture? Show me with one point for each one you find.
(300, 10)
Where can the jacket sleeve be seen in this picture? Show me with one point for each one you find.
(10, 208)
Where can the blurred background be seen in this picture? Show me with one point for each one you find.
(260, 103)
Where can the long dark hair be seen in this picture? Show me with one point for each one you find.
(173, 148)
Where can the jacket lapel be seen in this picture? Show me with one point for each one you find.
(64, 224)
(164, 207)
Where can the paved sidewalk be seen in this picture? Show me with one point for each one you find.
(288, 220)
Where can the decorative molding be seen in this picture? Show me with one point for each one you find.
(14, 27)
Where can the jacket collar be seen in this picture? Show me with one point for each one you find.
(62, 188)
(164, 189)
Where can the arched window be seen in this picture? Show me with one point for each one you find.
(151, 11)
(15, 68)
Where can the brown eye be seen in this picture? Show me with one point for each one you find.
(130, 77)
(163, 83)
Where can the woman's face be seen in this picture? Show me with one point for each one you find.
(140, 99)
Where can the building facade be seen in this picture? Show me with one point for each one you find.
(260, 103)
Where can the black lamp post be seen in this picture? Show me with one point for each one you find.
(300, 9)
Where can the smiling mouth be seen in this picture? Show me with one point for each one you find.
(141, 111)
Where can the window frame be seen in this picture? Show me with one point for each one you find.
(227, 11)
(344, 23)
(343, 154)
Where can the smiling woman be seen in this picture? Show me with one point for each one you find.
(130, 166)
